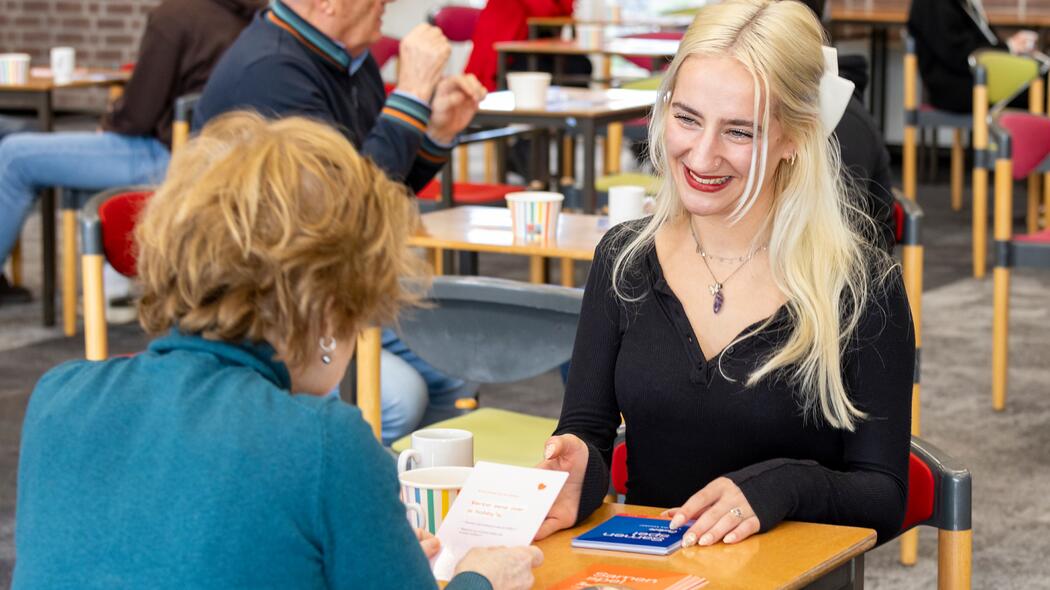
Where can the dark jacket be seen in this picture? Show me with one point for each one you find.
(945, 35)
(273, 70)
(182, 42)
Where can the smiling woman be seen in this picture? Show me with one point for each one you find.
(759, 350)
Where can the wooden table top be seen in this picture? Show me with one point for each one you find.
(575, 102)
(790, 556)
(487, 229)
(40, 80)
(624, 46)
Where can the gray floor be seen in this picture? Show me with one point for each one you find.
(1007, 452)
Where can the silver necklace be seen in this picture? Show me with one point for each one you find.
(716, 288)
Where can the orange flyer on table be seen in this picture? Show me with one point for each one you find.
(633, 577)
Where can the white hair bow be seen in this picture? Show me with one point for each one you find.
(835, 92)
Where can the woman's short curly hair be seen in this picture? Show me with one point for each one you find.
(274, 229)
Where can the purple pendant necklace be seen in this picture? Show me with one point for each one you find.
(716, 288)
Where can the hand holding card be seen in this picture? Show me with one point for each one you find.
(499, 505)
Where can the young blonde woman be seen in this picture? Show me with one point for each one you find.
(215, 459)
(758, 349)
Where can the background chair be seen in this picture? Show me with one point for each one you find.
(939, 495)
(1023, 142)
(106, 225)
(999, 78)
(384, 50)
(494, 331)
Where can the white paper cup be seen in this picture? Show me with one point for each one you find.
(14, 68)
(438, 447)
(63, 63)
(626, 203)
(534, 215)
(529, 89)
(433, 490)
(589, 36)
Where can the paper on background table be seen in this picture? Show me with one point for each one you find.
(499, 505)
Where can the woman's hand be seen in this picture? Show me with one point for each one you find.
(721, 511)
(564, 453)
(506, 568)
(430, 544)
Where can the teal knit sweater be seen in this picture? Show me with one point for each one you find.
(192, 466)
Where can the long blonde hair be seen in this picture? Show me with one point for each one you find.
(818, 253)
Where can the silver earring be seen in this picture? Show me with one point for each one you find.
(791, 160)
(327, 348)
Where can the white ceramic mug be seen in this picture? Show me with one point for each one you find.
(626, 203)
(63, 63)
(430, 492)
(438, 447)
(529, 89)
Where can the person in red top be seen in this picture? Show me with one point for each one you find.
(505, 20)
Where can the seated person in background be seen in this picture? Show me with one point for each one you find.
(216, 459)
(758, 346)
(507, 20)
(865, 159)
(310, 58)
(182, 42)
(946, 32)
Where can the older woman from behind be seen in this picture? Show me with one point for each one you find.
(215, 459)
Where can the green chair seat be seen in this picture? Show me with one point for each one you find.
(500, 436)
(1008, 74)
(651, 183)
(651, 83)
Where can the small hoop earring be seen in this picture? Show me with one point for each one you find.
(327, 349)
(791, 160)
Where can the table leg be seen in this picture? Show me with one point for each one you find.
(537, 265)
(501, 70)
(567, 274)
(446, 185)
(47, 212)
(16, 260)
(590, 196)
(69, 271)
(369, 346)
(468, 263)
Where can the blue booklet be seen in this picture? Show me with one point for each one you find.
(637, 534)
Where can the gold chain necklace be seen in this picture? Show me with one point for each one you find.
(716, 288)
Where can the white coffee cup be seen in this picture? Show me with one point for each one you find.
(534, 215)
(438, 447)
(63, 64)
(14, 68)
(430, 492)
(626, 203)
(529, 89)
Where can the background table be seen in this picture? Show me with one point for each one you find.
(38, 94)
(488, 229)
(570, 109)
(793, 555)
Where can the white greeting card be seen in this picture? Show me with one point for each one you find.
(498, 505)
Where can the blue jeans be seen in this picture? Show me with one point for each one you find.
(75, 160)
(404, 407)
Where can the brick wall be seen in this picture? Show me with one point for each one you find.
(105, 33)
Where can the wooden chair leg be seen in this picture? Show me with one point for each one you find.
(954, 559)
(96, 344)
(490, 162)
(536, 268)
(957, 170)
(613, 147)
(910, 547)
(369, 346)
(463, 163)
(1001, 284)
(568, 160)
(437, 261)
(567, 274)
(1034, 196)
(16, 263)
(980, 221)
(69, 271)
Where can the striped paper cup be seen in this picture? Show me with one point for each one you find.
(534, 215)
(430, 492)
(14, 68)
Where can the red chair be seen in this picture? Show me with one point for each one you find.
(456, 22)
(107, 222)
(383, 51)
(939, 495)
(648, 63)
(1023, 141)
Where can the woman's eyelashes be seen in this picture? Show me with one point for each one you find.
(735, 134)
